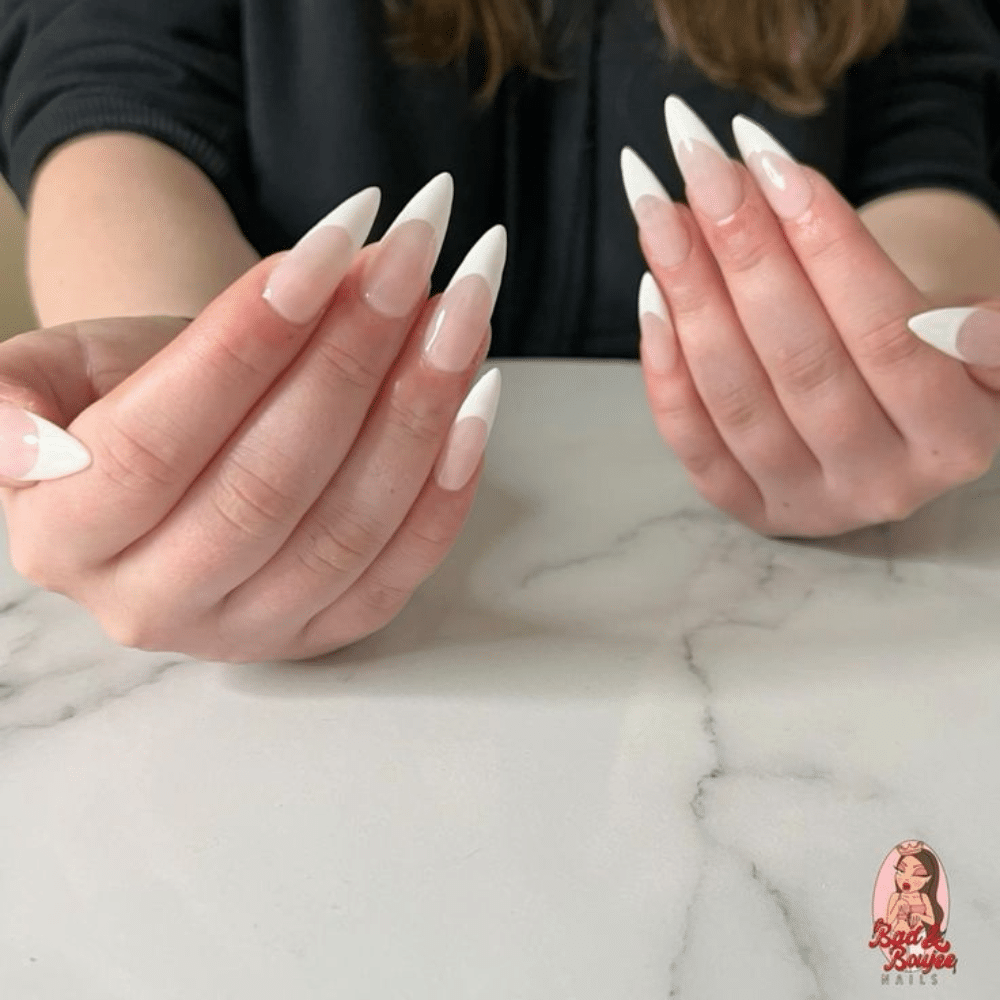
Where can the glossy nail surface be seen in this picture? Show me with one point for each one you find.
(463, 313)
(469, 433)
(783, 182)
(712, 181)
(398, 273)
(968, 334)
(667, 240)
(304, 280)
(33, 448)
(658, 345)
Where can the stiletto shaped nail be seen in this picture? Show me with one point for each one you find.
(968, 334)
(463, 314)
(667, 240)
(398, 272)
(304, 280)
(712, 180)
(658, 346)
(33, 448)
(469, 433)
(639, 180)
(784, 183)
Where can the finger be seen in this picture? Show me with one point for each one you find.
(725, 370)
(813, 375)
(423, 539)
(971, 334)
(152, 435)
(681, 417)
(49, 376)
(243, 506)
(373, 490)
(838, 253)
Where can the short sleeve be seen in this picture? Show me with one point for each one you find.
(918, 114)
(168, 69)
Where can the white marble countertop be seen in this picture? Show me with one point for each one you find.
(618, 748)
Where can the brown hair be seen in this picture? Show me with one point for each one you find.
(789, 52)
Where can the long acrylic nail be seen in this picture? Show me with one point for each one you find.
(456, 331)
(33, 448)
(658, 345)
(784, 183)
(469, 433)
(667, 239)
(399, 270)
(304, 280)
(712, 180)
(968, 334)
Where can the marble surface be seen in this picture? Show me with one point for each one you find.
(617, 747)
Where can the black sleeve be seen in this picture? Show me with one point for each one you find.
(169, 69)
(918, 114)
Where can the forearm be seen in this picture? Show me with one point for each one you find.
(947, 243)
(122, 225)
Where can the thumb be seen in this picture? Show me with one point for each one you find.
(970, 333)
(49, 376)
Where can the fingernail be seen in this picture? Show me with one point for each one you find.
(456, 331)
(304, 280)
(712, 180)
(398, 272)
(658, 344)
(469, 433)
(667, 239)
(783, 181)
(33, 448)
(968, 334)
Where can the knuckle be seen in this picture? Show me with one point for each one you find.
(135, 632)
(31, 564)
(690, 296)
(420, 416)
(888, 343)
(888, 504)
(338, 548)
(136, 464)
(226, 357)
(966, 463)
(806, 369)
(384, 598)
(344, 367)
(248, 501)
(736, 407)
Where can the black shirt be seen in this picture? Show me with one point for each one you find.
(290, 106)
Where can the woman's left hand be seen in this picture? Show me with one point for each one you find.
(778, 361)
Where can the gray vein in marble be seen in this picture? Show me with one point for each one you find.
(620, 541)
(797, 931)
(63, 712)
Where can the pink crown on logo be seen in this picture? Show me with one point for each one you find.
(911, 847)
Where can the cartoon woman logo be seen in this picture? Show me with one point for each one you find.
(910, 908)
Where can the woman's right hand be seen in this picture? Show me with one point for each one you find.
(272, 480)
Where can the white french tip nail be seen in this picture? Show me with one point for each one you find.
(356, 216)
(685, 128)
(751, 138)
(59, 453)
(486, 258)
(432, 203)
(639, 180)
(940, 328)
(651, 298)
(482, 400)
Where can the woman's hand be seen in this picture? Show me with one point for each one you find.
(273, 479)
(778, 361)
